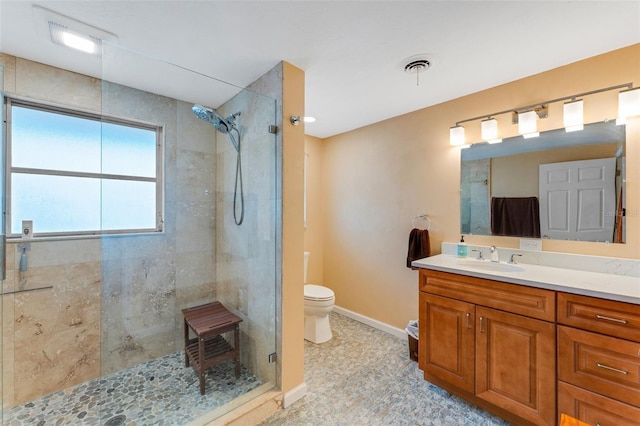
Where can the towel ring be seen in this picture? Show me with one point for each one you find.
(422, 217)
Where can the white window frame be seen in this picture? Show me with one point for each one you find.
(11, 101)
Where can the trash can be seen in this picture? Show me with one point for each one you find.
(412, 335)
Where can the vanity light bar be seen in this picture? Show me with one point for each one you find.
(628, 106)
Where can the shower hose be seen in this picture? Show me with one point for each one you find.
(238, 183)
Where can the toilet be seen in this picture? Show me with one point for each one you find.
(318, 303)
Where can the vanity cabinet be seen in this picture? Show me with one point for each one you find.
(598, 360)
(491, 343)
(497, 345)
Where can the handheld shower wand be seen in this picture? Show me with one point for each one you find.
(227, 126)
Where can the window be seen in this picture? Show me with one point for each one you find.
(76, 173)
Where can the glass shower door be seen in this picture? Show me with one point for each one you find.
(3, 240)
(199, 254)
(93, 328)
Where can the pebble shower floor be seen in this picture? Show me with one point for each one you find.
(158, 392)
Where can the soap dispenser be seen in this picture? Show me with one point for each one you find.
(462, 247)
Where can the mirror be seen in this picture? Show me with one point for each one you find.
(561, 185)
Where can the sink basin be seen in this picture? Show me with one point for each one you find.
(486, 265)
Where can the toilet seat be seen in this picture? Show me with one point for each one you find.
(317, 292)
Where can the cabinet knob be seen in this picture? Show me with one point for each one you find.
(468, 320)
(481, 330)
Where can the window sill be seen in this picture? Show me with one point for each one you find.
(19, 240)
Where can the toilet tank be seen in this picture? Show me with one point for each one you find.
(306, 265)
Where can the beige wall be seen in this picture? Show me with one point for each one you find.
(378, 178)
(313, 232)
(291, 361)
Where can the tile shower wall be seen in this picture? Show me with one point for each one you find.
(116, 301)
(245, 255)
(51, 337)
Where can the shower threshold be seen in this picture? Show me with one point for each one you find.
(159, 392)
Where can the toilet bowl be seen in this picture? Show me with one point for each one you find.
(318, 304)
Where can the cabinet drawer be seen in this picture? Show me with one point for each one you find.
(595, 409)
(518, 299)
(603, 364)
(617, 319)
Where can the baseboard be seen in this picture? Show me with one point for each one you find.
(371, 322)
(294, 394)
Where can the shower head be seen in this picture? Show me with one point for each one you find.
(203, 113)
(223, 125)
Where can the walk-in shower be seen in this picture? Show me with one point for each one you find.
(93, 333)
(227, 126)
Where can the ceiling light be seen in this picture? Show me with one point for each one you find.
(628, 104)
(573, 116)
(68, 32)
(79, 42)
(63, 36)
(490, 130)
(456, 135)
(309, 119)
(528, 124)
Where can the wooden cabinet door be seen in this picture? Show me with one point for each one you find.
(446, 340)
(516, 365)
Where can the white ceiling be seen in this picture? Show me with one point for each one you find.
(353, 52)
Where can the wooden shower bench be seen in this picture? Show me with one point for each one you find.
(208, 322)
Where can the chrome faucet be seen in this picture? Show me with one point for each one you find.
(494, 254)
(512, 260)
(479, 254)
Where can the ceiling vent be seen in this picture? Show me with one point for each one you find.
(417, 65)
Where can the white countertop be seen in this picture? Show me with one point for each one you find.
(606, 286)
